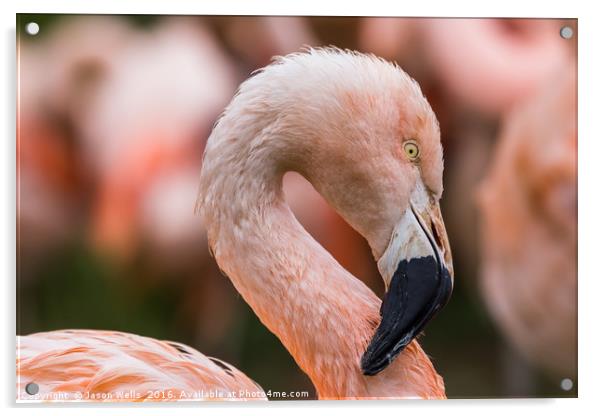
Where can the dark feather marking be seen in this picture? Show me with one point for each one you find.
(179, 348)
(223, 366)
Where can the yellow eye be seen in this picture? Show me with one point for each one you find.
(411, 149)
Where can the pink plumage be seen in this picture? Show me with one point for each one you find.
(116, 366)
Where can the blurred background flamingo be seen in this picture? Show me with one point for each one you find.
(67, 273)
(52, 177)
(529, 235)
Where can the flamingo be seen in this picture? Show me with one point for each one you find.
(504, 59)
(142, 131)
(256, 39)
(528, 205)
(360, 130)
(56, 76)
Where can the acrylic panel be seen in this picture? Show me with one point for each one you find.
(295, 208)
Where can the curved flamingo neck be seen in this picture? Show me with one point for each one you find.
(322, 314)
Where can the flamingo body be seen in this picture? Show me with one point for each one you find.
(116, 366)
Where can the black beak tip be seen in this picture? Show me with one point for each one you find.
(369, 370)
(378, 356)
(371, 367)
(419, 289)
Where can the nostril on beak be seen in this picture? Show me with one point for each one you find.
(436, 236)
